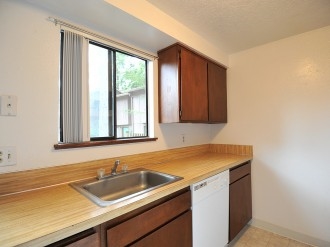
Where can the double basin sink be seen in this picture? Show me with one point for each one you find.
(120, 187)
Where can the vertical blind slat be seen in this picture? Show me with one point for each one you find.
(72, 87)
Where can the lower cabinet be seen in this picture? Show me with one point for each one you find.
(88, 238)
(240, 199)
(175, 233)
(166, 222)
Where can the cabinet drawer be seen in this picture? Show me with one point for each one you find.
(88, 238)
(239, 172)
(178, 232)
(142, 224)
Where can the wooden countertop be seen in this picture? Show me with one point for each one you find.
(43, 216)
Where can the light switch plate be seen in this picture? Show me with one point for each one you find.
(8, 105)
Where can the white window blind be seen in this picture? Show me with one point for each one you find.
(71, 91)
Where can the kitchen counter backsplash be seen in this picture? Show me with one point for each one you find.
(50, 176)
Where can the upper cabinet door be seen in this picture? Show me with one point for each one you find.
(194, 103)
(169, 85)
(217, 89)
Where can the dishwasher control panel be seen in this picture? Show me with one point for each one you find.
(206, 187)
(201, 185)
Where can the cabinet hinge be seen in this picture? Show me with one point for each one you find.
(180, 113)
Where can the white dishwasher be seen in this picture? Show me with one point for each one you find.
(210, 211)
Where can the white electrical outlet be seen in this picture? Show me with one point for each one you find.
(183, 137)
(8, 105)
(8, 156)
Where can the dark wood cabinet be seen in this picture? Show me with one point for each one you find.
(176, 233)
(217, 93)
(169, 88)
(166, 222)
(240, 199)
(194, 103)
(88, 238)
(191, 87)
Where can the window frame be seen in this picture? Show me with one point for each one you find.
(100, 141)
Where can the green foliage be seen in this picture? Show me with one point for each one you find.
(130, 72)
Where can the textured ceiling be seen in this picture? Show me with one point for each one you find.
(235, 25)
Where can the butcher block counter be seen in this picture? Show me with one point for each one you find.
(44, 208)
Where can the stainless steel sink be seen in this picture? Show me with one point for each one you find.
(116, 188)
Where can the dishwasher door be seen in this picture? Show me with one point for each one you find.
(210, 211)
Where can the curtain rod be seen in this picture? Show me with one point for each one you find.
(62, 23)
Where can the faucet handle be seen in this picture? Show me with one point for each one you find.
(100, 173)
(124, 168)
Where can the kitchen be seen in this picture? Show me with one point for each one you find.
(278, 97)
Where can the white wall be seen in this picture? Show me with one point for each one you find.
(29, 69)
(279, 102)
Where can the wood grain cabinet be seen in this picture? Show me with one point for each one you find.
(240, 199)
(88, 238)
(217, 93)
(191, 87)
(166, 222)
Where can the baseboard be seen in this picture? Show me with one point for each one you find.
(289, 233)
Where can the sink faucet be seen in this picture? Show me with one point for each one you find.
(114, 168)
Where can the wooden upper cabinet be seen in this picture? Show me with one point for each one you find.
(194, 105)
(169, 85)
(217, 89)
(191, 88)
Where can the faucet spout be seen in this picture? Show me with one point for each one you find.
(114, 168)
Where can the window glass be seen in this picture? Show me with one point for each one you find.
(100, 92)
(119, 76)
(131, 98)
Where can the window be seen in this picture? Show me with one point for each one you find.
(117, 105)
(117, 93)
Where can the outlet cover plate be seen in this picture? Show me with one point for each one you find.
(8, 105)
(8, 156)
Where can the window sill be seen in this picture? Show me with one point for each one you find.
(102, 143)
